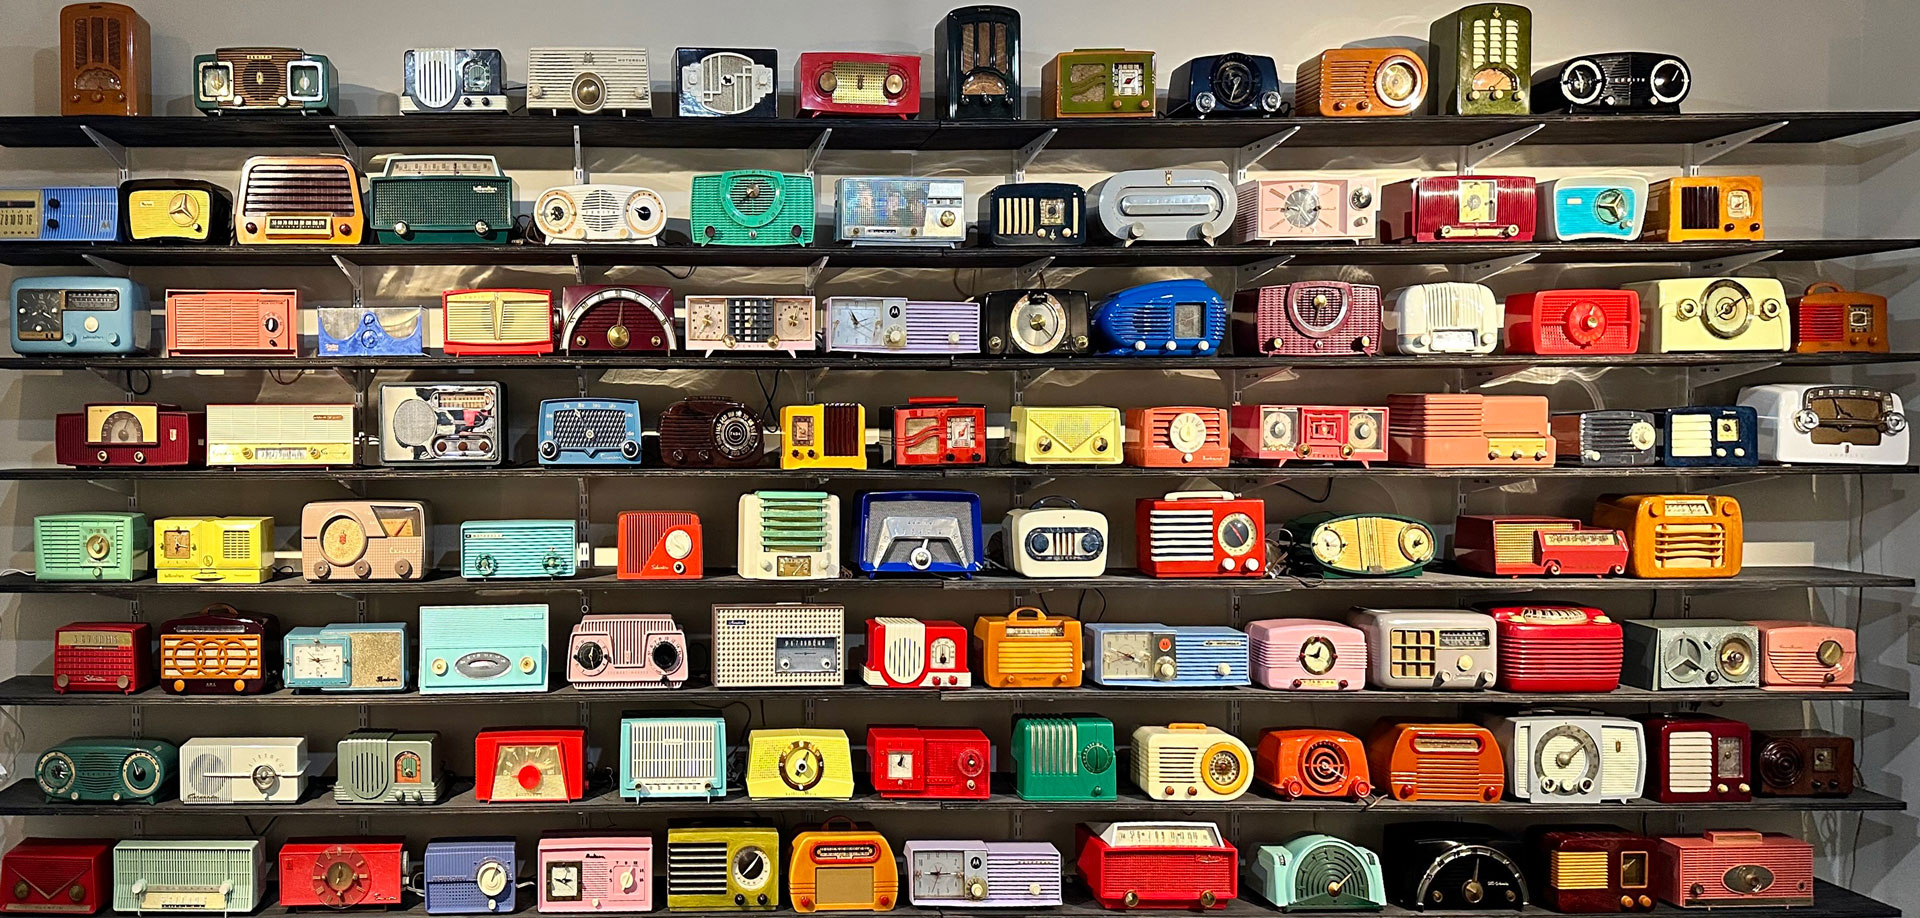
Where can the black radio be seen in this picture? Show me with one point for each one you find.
(1623, 81)
(1453, 866)
(1032, 323)
(1231, 85)
(977, 64)
(1034, 213)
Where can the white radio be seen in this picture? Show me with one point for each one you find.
(1557, 757)
(250, 769)
(1802, 422)
(1446, 318)
(779, 645)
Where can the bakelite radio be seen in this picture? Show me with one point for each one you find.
(1721, 208)
(213, 549)
(751, 207)
(1466, 430)
(343, 873)
(1683, 315)
(1167, 318)
(490, 648)
(779, 645)
(1555, 757)
(441, 198)
(897, 325)
(599, 212)
(1708, 435)
(451, 423)
(365, 540)
(1067, 541)
(589, 81)
(1098, 83)
(842, 867)
(1592, 869)
(799, 762)
(725, 82)
(264, 80)
(1613, 82)
(1027, 648)
(659, 545)
(1200, 534)
(469, 876)
(57, 876)
(1307, 318)
(1164, 205)
(370, 331)
(1036, 322)
(1697, 758)
(299, 200)
(1798, 656)
(749, 323)
(105, 69)
(982, 874)
(438, 80)
(1734, 869)
(1604, 207)
(1158, 865)
(1064, 435)
(1815, 422)
(1556, 648)
(672, 757)
(626, 651)
(1227, 85)
(1149, 654)
(65, 213)
(899, 210)
(1307, 209)
(215, 876)
(616, 318)
(106, 769)
(1313, 762)
(912, 653)
(1460, 763)
(244, 769)
(233, 323)
(529, 765)
(1690, 653)
(1277, 434)
(1829, 318)
(937, 431)
(920, 532)
(1176, 437)
(1065, 758)
(1190, 762)
(589, 431)
(1034, 213)
(103, 657)
(1802, 763)
(1531, 546)
(723, 867)
(1607, 438)
(1316, 872)
(1360, 83)
(1676, 535)
(282, 434)
(1459, 208)
(518, 549)
(1358, 545)
(977, 64)
(79, 315)
(221, 651)
(163, 209)
(347, 657)
(828, 436)
(708, 432)
(929, 763)
(789, 535)
(107, 546)
(1573, 322)
(590, 872)
(1428, 648)
(1454, 866)
(388, 767)
(1483, 60)
(1307, 654)
(1444, 318)
(857, 83)
(502, 322)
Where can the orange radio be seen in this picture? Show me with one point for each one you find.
(1573, 322)
(1360, 82)
(842, 867)
(1676, 535)
(1469, 430)
(1312, 762)
(659, 545)
(1704, 208)
(1176, 437)
(1830, 319)
(105, 60)
(1456, 762)
(1528, 546)
(230, 323)
(1797, 656)
(1027, 648)
(299, 199)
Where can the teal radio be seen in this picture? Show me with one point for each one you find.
(673, 757)
(79, 315)
(362, 657)
(107, 769)
(92, 546)
(752, 207)
(469, 649)
(517, 549)
(453, 198)
(1064, 758)
(1319, 873)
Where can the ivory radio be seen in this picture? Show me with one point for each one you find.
(1176, 437)
(1036, 322)
(440, 80)
(1034, 213)
(442, 198)
(1459, 763)
(725, 82)
(79, 315)
(586, 872)
(1359, 545)
(911, 653)
(626, 651)
(660, 545)
(673, 757)
(1613, 82)
(450, 423)
(1826, 319)
(299, 200)
(1317, 872)
(1098, 83)
(1567, 758)
(1459, 208)
(1709, 435)
(107, 546)
(388, 767)
(221, 651)
(931, 763)
(1734, 869)
(59, 876)
(1697, 758)
(1691, 314)
(1227, 85)
(103, 657)
(166, 209)
(365, 540)
(347, 657)
(897, 325)
(1360, 83)
(1164, 205)
(751, 207)
(1802, 763)
(105, 769)
(847, 869)
(82, 213)
(1274, 435)
(1307, 209)
(105, 69)
(244, 769)
(1691, 653)
(899, 210)
(799, 762)
(518, 549)
(1190, 762)
(589, 431)
(1307, 654)
(857, 83)
(723, 867)
(1581, 207)
(1157, 865)
(217, 876)
(600, 212)
(589, 81)
(1532, 546)
(468, 876)
(789, 535)
(1428, 648)
(1797, 656)
(264, 80)
(370, 331)
(1059, 435)
(706, 432)
(1548, 647)
(1200, 534)
(213, 549)
(779, 645)
(1028, 648)
(1454, 866)
(494, 648)
(1676, 535)
(1182, 317)
(1465, 430)
(1810, 422)
(982, 874)
(1311, 762)
(1483, 60)
(977, 64)
(1444, 318)
(1606, 438)
(282, 434)
(1592, 868)
(749, 323)
(488, 323)
(1573, 322)
(1721, 208)
(529, 765)
(233, 323)
(1064, 758)
(1307, 318)
(1043, 541)
(1148, 654)
(936, 431)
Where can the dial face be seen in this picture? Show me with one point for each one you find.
(1740, 204)
(215, 81)
(476, 76)
(1236, 534)
(706, 320)
(751, 869)
(679, 544)
(1328, 544)
(1831, 653)
(1164, 835)
(1317, 655)
(1188, 432)
(1735, 658)
(944, 653)
(529, 771)
(556, 210)
(1189, 320)
(1039, 323)
(1397, 82)
(303, 82)
(342, 541)
(491, 878)
(1610, 207)
(1685, 659)
(140, 772)
(1127, 654)
(939, 874)
(1416, 543)
(1728, 309)
(563, 881)
(122, 427)
(1277, 430)
(801, 766)
(1233, 83)
(319, 661)
(1729, 758)
(960, 432)
(38, 316)
(1129, 80)
(794, 320)
(857, 323)
(1301, 206)
(1477, 197)
(1566, 760)
(1225, 771)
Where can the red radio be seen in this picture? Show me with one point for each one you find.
(1167, 865)
(1307, 318)
(1276, 434)
(938, 431)
(659, 545)
(1733, 868)
(1458, 208)
(130, 434)
(1528, 546)
(1556, 648)
(911, 653)
(1200, 534)
(532, 764)
(1312, 762)
(58, 876)
(616, 318)
(942, 763)
(1697, 758)
(1176, 437)
(856, 83)
(103, 657)
(227, 323)
(1573, 322)
(1593, 869)
(1829, 318)
(339, 873)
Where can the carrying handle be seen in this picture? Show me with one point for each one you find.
(1054, 499)
(1016, 616)
(1200, 495)
(840, 818)
(221, 608)
(1825, 287)
(1189, 728)
(933, 400)
(1733, 836)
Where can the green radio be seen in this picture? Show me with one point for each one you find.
(751, 207)
(91, 546)
(1064, 758)
(449, 199)
(1482, 60)
(107, 769)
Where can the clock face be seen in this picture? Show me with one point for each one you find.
(1566, 761)
(1127, 654)
(944, 653)
(900, 765)
(1187, 433)
(319, 661)
(1316, 655)
(801, 766)
(1233, 83)
(1328, 545)
(563, 881)
(706, 320)
(793, 320)
(939, 874)
(1276, 430)
(856, 323)
(1300, 206)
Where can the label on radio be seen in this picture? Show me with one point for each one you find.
(846, 852)
(1463, 639)
(20, 216)
(95, 639)
(182, 899)
(280, 453)
(806, 654)
(319, 225)
(1454, 339)
(1318, 684)
(1446, 744)
(1586, 537)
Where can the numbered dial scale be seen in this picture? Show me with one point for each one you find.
(1039, 324)
(1566, 761)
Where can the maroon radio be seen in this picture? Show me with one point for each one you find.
(1733, 868)
(1156, 864)
(857, 83)
(938, 431)
(1307, 318)
(1593, 869)
(1276, 434)
(130, 434)
(1802, 763)
(58, 876)
(341, 873)
(616, 318)
(1458, 208)
(103, 657)
(1697, 758)
(1529, 546)
(1556, 648)
(1573, 322)
(940, 763)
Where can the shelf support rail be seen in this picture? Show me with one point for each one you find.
(1730, 264)
(356, 278)
(1245, 157)
(1024, 157)
(815, 270)
(107, 266)
(814, 150)
(1481, 270)
(1245, 275)
(1473, 154)
(114, 149)
(1706, 151)
(579, 161)
(1026, 275)
(347, 146)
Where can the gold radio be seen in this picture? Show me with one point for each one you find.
(280, 435)
(299, 200)
(845, 869)
(723, 868)
(823, 436)
(1704, 208)
(364, 540)
(185, 209)
(799, 762)
(221, 651)
(1087, 435)
(1028, 648)
(213, 549)
(1676, 535)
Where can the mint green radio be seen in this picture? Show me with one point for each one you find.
(226, 876)
(91, 546)
(752, 207)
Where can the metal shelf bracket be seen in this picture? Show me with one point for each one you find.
(815, 270)
(113, 148)
(1481, 270)
(1729, 264)
(1027, 274)
(1239, 381)
(346, 144)
(1706, 151)
(107, 265)
(579, 161)
(356, 278)
(1721, 372)
(818, 147)
(1245, 275)
(1024, 157)
(579, 273)
(1473, 154)
(1245, 157)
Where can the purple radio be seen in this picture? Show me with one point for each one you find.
(978, 874)
(627, 652)
(897, 325)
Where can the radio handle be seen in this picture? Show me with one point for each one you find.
(1732, 836)
(1825, 287)
(1016, 616)
(221, 608)
(1188, 728)
(840, 818)
(1200, 495)
(1054, 498)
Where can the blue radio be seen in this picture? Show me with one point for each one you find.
(86, 213)
(1171, 317)
(371, 331)
(1709, 435)
(1150, 654)
(1592, 207)
(510, 549)
(673, 757)
(365, 657)
(920, 532)
(590, 431)
(468, 649)
(79, 315)
(469, 876)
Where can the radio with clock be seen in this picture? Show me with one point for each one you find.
(1459, 208)
(588, 872)
(1549, 647)
(1606, 438)
(233, 323)
(107, 769)
(1028, 648)
(518, 549)
(935, 431)
(857, 83)
(1816, 422)
(1226, 85)
(529, 765)
(365, 540)
(1043, 541)
(106, 546)
(1064, 758)
(749, 323)
(799, 762)
(1360, 83)
(725, 82)
(1316, 872)
(1179, 655)
(1312, 762)
(982, 874)
(1692, 653)
(752, 207)
(216, 876)
(1034, 213)
(912, 653)
(1581, 207)
(1676, 535)
(1616, 82)
(265, 79)
(589, 431)
(1720, 208)
(299, 200)
(1190, 762)
(1200, 534)
(708, 432)
(842, 867)
(1158, 865)
(1170, 318)
(1573, 322)
(1708, 435)
(626, 651)
(1062, 435)
(1444, 318)
(1359, 545)
(899, 210)
(494, 648)
(1164, 205)
(1697, 758)
(1798, 656)
(930, 763)
(103, 657)
(1572, 757)
(213, 549)
(1307, 654)
(497, 322)
(1454, 866)
(673, 757)
(370, 331)
(1592, 868)
(1466, 430)
(106, 68)
(388, 767)
(589, 81)
(1436, 761)
(1802, 763)
(442, 424)
(1036, 322)
(342, 873)
(977, 64)
(342, 657)
(166, 209)
(465, 80)
(897, 325)
(600, 212)
(254, 769)
(469, 876)
(442, 198)
(1532, 546)
(221, 651)
(779, 645)
(723, 867)
(1483, 60)
(1734, 869)
(60, 876)
(1828, 318)
(1307, 209)
(789, 535)
(1307, 318)
(659, 545)
(1698, 314)
(1428, 648)
(1098, 83)
(1273, 435)
(1176, 437)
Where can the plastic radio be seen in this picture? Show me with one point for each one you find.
(450, 423)
(1444, 318)
(1228, 85)
(626, 652)
(342, 873)
(977, 64)
(1454, 866)
(109, 545)
(218, 876)
(1034, 213)
(789, 535)
(281, 435)
(163, 209)
(87, 213)
(1720, 208)
(1308, 209)
(1734, 869)
(587, 872)
(749, 323)
(1531, 546)
(1164, 205)
(589, 81)
(1459, 208)
(1064, 758)
(213, 549)
(266, 79)
(302, 200)
(1573, 322)
(64, 876)
(779, 645)
(1676, 535)
(1190, 762)
(1027, 648)
(1606, 438)
(1714, 314)
(1315, 872)
(1483, 60)
(509, 549)
(1605, 207)
(1549, 647)
(1360, 83)
(1697, 758)
(1312, 762)
(1693, 653)
(1157, 865)
(1307, 654)
(341, 657)
(799, 762)
(469, 876)
(529, 765)
(221, 651)
(1466, 430)
(1307, 318)
(1082, 435)
(233, 323)
(1458, 763)
(496, 648)
(1176, 437)
(106, 769)
(617, 319)
(1709, 435)
(897, 325)
(900, 210)
(857, 83)
(911, 653)
(385, 767)
(1802, 763)
(936, 431)
(1277, 434)
(103, 657)
(442, 198)
(943, 763)
(1043, 542)
(1036, 323)
(1098, 83)
(726, 83)
(1149, 654)
(1167, 318)
(1827, 319)
(20, 214)
(466, 80)
(982, 874)
(106, 69)
(752, 207)
(1796, 656)
(486, 323)
(1200, 534)
(673, 757)
(1592, 869)
(848, 869)
(1428, 648)
(589, 431)
(723, 867)
(1572, 758)
(600, 212)
(660, 545)
(370, 331)
(365, 540)
(1359, 545)
(1613, 82)
(706, 432)
(1815, 422)
(244, 769)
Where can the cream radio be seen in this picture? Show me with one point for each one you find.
(1446, 318)
(365, 540)
(799, 762)
(789, 535)
(600, 212)
(1190, 762)
(280, 435)
(1043, 541)
(1087, 435)
(1714, 314)
(589, 81)
(1572, 758)
(779, 645)
(265, 769)
(1802, 422)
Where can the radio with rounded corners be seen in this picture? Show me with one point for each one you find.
(1307, 654)
(589, 81)
(1734, 869)
(365, 540)
(827, 436)
(106, 68)
(1817, 422)
(857, 83)
(1715, 208)
(464, 80)
(1158, 865)
(388, 767)
(1614, 82)
(1444, 318)
(722, 867)
(916, 653)
(789, 535)
(1190, 762)
(1483, 60)
(1308, 208)
(264, 80)
(1697, 758)
(1464, 430)
(1316, 872)
(1606, 438)
(1042, 541)
(600, 212)
(1098, 83)
(233, 323)
(750, 323)
(753, 207)
(1459, 208)
(1459, 763)
(167, 209)
(935, 431)
(589, 431)
(221, 651)
(114, 434)
(626, 651)
(370, 331)
(107, 769)
(1034, 213)
(105, 546)
(1708, 435)
(1828, 319)
(1573, 322)
(726, 83)
(709, 432)
(1604, 207)
(977, 64)
(497, 322)
(1573, 757)
(1454, 866)
(299, 200)
(213, 549)
(1200, 534)
(1595, 868)
(1428, 648)
(444, 198)
(1229, 85)
(1801, 656)
(518, 549)
(1676, 535)
(469, 876)
(1699, 314)
(1359, 545)
(1312, 762)
(1120, 654)
(1172, 436)
(1064, 758)
(1802, 763)
(799, 762)
(841, 866)
(1028, 648)
(103, 657)
(1553, 647)
(347, 657)
(1164, 318)
(1307, 318)
(57, 876)
(450, 423)
(343, 873)
(490, 648)
(1164, 205)
(1360, 83)
(1065, 435)
(528, 765)
(1036, 322)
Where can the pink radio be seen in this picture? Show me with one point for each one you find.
(1796, 656)
(627, 652)
(1276, 434)
(1737, 869)
(595, 873)
(1306, 319)
(1308, 654)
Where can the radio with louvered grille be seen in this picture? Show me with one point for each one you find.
(1200, 534)
(106, 68)
(1592, 869)
(617, 318)
(303, 200)
(830, 436)
(233, 323)
(213, 549)
(1312, 762)
(1307, 318)
(1602, 207)
(1176, 437)
(1158, 865)
(1360, 83)
(1697, 758)
(1606, 438)
(495, 322)
(1064, 758)
(107, 769)
(587, 871)
(912, 653)
(266, 79)
(1164, 318)
(61, 876)
(789, 535)
(749, 323)
(1799, 656)
(1466, 430)
(1692, 653)
(388, 767)
(1709, 435)
(1699, 314)
(982, 874)
(723, 867)
(103, 657)
(1483, 60)
(1617, 82)
(1555, 757)
(626, 651)
(1098, 83)
(857, 83)
(726, 83)
(897, 325)
(589, 81)
(929, 763)
(1444, 318)
(1277, 434)
(1190, 762)
(1176, 655)
(442, 198)
(1734, 869)
(1308, 209)
(673, 757)
(1428, 648)
(1816, 422)
(467, 80)
(442, 423)
(281, 435)
(100, 546)
(1459, 208)
(1676, 535)
(660, 545)
(221, 651)
(752, 207)
(1714, 208)
(779, 644)
(1802, 763)
(1028, 648)
(1307, 654)
(1548, 647)
(600, 212)
(1042, 541)
(69, 213)
(1531, 546)
(1317, 872)
(1829, 319)
(708, 432)
(469, 876)
(1573, 322)
(1034, 213)
(252, 769)
(1458, 763)
(216, 876)
(589, 431)
(977, 64)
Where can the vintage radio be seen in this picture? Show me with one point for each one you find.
(1308, 209)
(224, 876)
(1459, 208)
(1036, 322)
(672, 757)
(20, 214)
(233, 323)
(1549, 647)
(493, 648)
(1228, 85)
(750, 323)
(1606, 438)
(66, 876)
(1573, 322)
(1028, 648)
(1190, 762)
(1444, 318)
(1200, 534)
(384, 766)
(1572, 757)
(585, 872)
(1168, 318)
(1613, 82)
(83, 213)
(626, 652)
(1709, 435)
(1719, 208)
(370, 331)
(723, 867)
(105, 69)
(589, 431)
(789, 535)
(897, 325)
(509, 549)
(528, 765)
(365, 540)
(857, 83)
(1428, 648)
(1277, 434)
(911, 653)
(1034, 213)
(466, 80)
(485, 323)
(1483, 60)
(1157, 865)
(589, 81)
(106, 769)
(848, 869)
(442, 198)
(1312, 762)
(726, 83)
(1812, 422)
(468, 876)
(304, 200)
(1176, 437)
(103, 657)
(600, 212)
(1307, 654)
(1826, 319)
(102, 546)
(799, 762)
(266, 79)
(1098, 83)
(751, 207)
(1591, 868)
(977, 64)
(1604, 207)
(450, 423)
(1734, 868)
(244, 769)
(1697, 758)
(341, 657)
(1148, 654)
(1676, 535)
(1059, 435)
(1358, 545)
(1047, 542)
(281, 435)
(1315, 872)
(1360, 82)
(1531, 546)
(221, 651)
(1802, 763)
(899, 210)
(1064, 758)
(659, 545)
(1693, 653)
(162, 209)
(982, 874)
(935, 431)
(1307, 318)
(343, 873)
(1692, 314)
(707, 432)
(1465, 430)
(1459, 763)
(1449, 866)
(1798, 656)
(779, 645)
(597, 318)
(1164, 205)
(213, 549)
(944, 763)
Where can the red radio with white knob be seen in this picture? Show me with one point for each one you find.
(1277, 434)
(342, 873)
(528, 765)
(1573, 322)
(659, 545)
(57, 876)
(1201, 534)
(1556, 648)
(934, 763)
(1734, 868)
(912, 653)
(1158, 865)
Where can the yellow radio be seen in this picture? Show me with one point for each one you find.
(842, 867)
(1190, 762)
(723, 868)
(799, 762)
(186, 209)
(213, 549)
(1686, 314)
(823, 436)
(1086, 435)
(1676, 535)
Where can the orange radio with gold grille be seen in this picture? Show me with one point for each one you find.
(842, 866)
(1027, 648)
(1676, 535)
(1360, 83)
(299, 199)
(1311, 762)
(221, 651)
(1455, 762)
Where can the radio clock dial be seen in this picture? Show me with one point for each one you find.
(1127, 655)
(342, 541)
(1727, 309)
(563, 881)
(1328, 545)
(1398, 82)
(1039, 324)
(1566, 760)
(490, 878)
(794, 319)
(1417, 544)
(944, 653)
(1233, 82)
(802, 766)
(939, 874)
(1278, 430)
(1317, 655)
(1226, 772)
(856, 323)
(1236, 534)
(1301, 207)
(318, 661)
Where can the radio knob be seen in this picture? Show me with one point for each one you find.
(400, 228)
(1645, 901)
(1745, 788)
(1465, 662)
(1720, 788)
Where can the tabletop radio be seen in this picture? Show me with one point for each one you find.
(1797, 656)
(1058, 435)
(1045, 542)
(707, 432)
(103, 657)
(897, 325)
(1307, 318)
(1676, 535)
(1459, 763)
(467, 876)
(600, 212)
(835, 869)
(750, 323)
(1098, 83)
(1613, 82)
(1180, 655)
(266, 79)
(1549, 647)
(911, 653)
(752, 207)
(799, 762)
(220, 876)
(1459, 208)
(102, 546)
(977, 64)
(529, 765)
(1531, 546)
(1157, 865)
(465, 80)
(450, 423)
(1606, 438)
(1176, 437)
(1718, 208)
(1591, 868)
(1581, 207)
(61, 876)
(724, 867)
(789, 535)
(301, 200)
(857, 83)
(1169, 318)
(899, 210)
(20, 215)
(626, 652)
(1312, 762)
(1200, 534)
(1690, 314)
(1483, 60)
(105, 69)
(370, 331)
(1825, 320)
(673, 757)
(83, 213)
(778, 645)
(107, 769)
(726, 83)
(365, 540)
(244, 769)
(441, 198)
(1360, 82)
(1708, 435)
(213, 549)
(233, 323)
(1733, 869)
(1034, 213)
(1164, 205)
(221, 651)
(493, 648)
(982, 874)
(1028, 648)
(1802, 763)
(1697, 758)
(660, 545)
(163, 209)
(1317, 872)
(936, 431)
(589, 81)
(585, 872)
(1692, 653)
(1567, 758)
(1036, 323)
(342, 873)
(1190, 762)
(1307, 654)
(1274, 435)
(508, 549)
(1465, 430)
(384, 766)
(597, 318)
(282, 435)
(1359, 545)
(1573, 322)
(488, 323)
(1228, 85)
(1454, 866)
(1064, 758)
(945, 763)
(1444, 318)
(1428, 648)
(589, 431)
(343, 657)
(1811, 422)
(1308, 209)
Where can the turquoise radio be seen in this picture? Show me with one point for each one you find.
(340, 657)
(1319, 873)
(682, 756)
(751, 207)
(469, 649)
(517, 549)
(91, 546)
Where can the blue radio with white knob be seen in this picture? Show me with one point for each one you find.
(517, 549)
(1169, 655)
(590, 431)
(467, 649)
(371, 331)
(1170, 318)
(79, 315)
